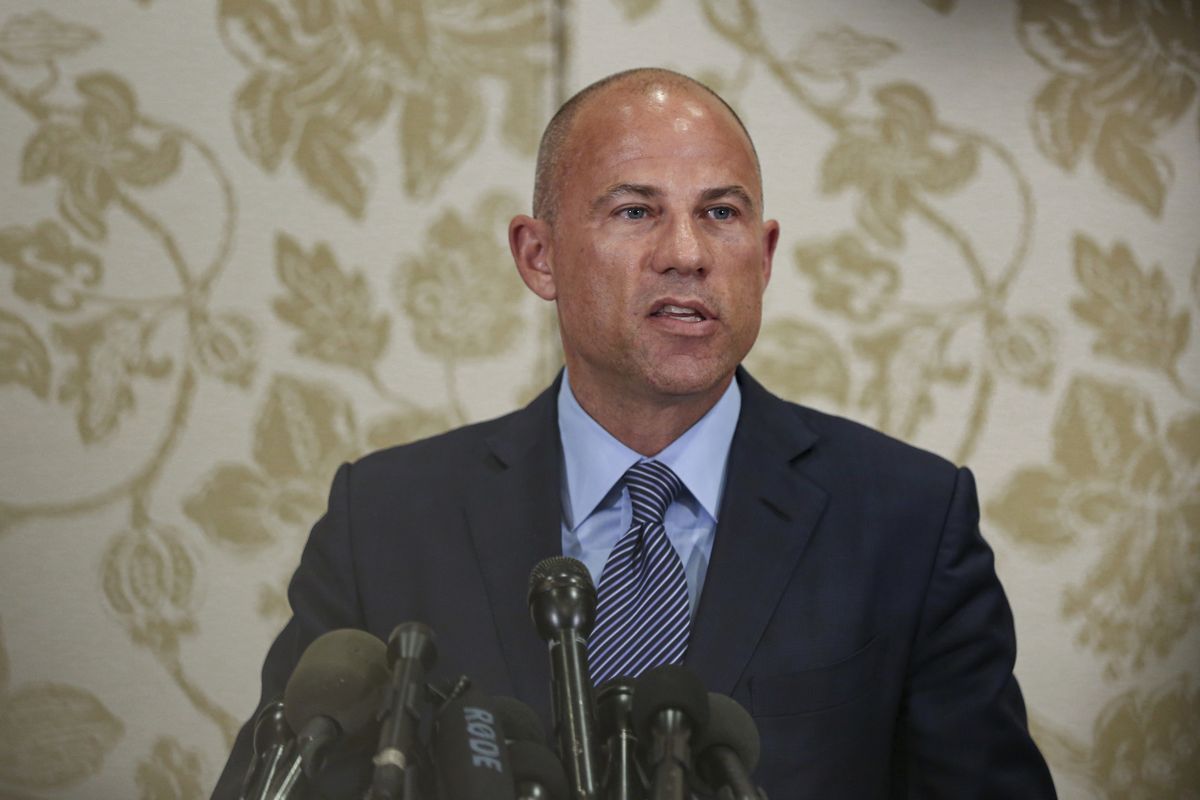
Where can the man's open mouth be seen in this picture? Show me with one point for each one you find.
(683, 313)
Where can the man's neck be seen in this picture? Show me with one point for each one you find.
(643, 424)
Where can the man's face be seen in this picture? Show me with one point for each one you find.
(658, 254)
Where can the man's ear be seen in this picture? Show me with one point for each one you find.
(770, 240)
(529, 241)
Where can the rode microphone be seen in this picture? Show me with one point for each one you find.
(410, 655)
(470, 752)
(727, 750)
(272, 745)
(622, 779)
(333, 695)
(562, 603)
(670, 705)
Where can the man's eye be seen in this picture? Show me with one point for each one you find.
(722, 212)
(633, 212)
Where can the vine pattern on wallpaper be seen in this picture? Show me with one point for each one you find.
(324, 75)
(900, 162)
(458, 294)
(73, 343)
(1123, 75)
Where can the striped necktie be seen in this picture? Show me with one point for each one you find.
(643, 615)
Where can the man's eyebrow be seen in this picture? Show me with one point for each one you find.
(734, 190)
(618, 189)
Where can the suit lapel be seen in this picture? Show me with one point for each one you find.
(768, 513)
(515, 518)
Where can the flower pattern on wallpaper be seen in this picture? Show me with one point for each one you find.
(324, 75)
(1125, 489)
(1123, 74)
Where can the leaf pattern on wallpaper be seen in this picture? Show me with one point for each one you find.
(1123, 74)
(329, 306)
(906, 361)
(40, 37)
(323, 77)
(633, 10)
(305, 429)
(894, 159)
(149, 576)
(48, 270)
(95, 155)
(801, 361)
(459, 291)
(1130, 308)
(170, 773)
(1127, 492)
(1023, 347)
(109, 353)
(53, 736)
(839, 50)
(848, 280)
(24, 359)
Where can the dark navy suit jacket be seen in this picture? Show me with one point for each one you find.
(850, 604)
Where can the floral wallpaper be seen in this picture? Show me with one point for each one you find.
(247, 240)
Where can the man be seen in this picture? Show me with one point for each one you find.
(834, 580)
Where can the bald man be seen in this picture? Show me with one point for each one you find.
(832, 580)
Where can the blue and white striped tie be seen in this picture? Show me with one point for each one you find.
(643, 615)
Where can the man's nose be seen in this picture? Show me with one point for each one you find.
(683, 247)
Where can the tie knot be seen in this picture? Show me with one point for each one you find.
(652, 487)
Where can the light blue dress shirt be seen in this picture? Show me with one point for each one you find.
(596, 506)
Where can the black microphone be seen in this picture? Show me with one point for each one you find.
(622, 779)
(537, 772)
(670, 705)
(272, 745)
(727, 750)
(469, 751)
(333, 694)
(562, 603)
(410, 654)
(520, 722)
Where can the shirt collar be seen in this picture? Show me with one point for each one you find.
(594, 460)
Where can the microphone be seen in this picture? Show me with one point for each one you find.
(272, 744)
(727, 750)
(669, 706)
(622, 780)
(333, 693)
(537, 772)
(469, 751)
(520, 722)
(410, 654)
(562, 603)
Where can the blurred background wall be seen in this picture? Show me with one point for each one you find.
(244, 241)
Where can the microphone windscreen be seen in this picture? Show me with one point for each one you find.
(536, 763)
(668, 687)
(469, 750)
(520, 722)
(341, 676)
(561, 596)
(732, 726)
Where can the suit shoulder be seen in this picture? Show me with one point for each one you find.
(862, 449)
(438, 454)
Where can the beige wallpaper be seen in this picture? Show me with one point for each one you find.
(244, 241)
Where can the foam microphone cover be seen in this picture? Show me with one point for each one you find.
(664, 688)
(729, 725)
(340, 676)
(535, 764)
(469, 750)
(520, 722)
